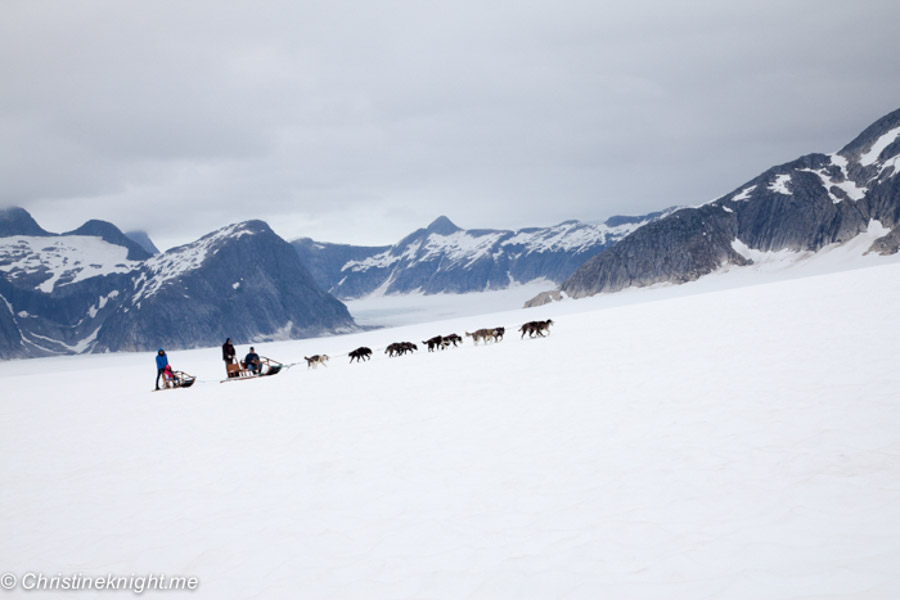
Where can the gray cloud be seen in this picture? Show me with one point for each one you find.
(358, 122)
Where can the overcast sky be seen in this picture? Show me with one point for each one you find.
(360, 121)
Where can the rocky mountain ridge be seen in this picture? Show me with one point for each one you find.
(805, 205)
(444, 258)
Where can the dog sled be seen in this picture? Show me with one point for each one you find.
(241, 371)
(176, 379)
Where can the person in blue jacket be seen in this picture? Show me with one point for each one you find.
(252, 361)
(162, 361)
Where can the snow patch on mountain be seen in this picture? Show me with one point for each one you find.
(762, 257)
(85, 344)
(63, 260)
(81, 347)
(95, 309)
(849, 187)
(8, 306)
(885, 140)
(459, 246)
(568, 236)
(780, 184)
(833, 257)
(891, 163)
(744, 194)
(379, 261)
(104, 299)
(26, 335)
(852, 190)
(839, 161)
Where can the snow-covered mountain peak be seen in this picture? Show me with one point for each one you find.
(174, 263)
(223, 234)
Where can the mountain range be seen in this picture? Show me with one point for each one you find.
(808, 204)
(443, 258)
(96, 290)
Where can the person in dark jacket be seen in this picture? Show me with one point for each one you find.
(162, 361)
(228, 352)
(252, 362)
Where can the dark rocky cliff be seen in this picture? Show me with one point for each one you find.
(251, 286)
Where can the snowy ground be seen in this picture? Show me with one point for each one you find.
(742, 443)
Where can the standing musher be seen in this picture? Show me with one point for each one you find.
(228, 352)
(162, 361)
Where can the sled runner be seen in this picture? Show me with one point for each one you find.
(241, 370)
(176, 379)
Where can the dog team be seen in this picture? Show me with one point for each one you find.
(441, 342)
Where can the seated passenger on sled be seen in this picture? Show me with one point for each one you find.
(252, 362)
(170, 375)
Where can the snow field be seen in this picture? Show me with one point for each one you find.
(737, 444)
(68, 258)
